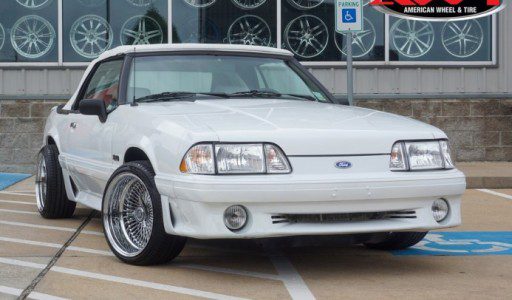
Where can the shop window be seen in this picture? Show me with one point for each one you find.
(28, 32)
(308, 31)
(91, 27)
(466, 40)
(249, 22)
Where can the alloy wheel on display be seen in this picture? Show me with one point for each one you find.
(306, 36)
(92, 3)
(362, 41)
(34, 4)
(41, 182)
(462, 39)
(128, 214)
(2, 36)
(248, 4)
(140, 2)
(249, 30)
(32, 36)
(141, 30)
(305, 4)
(412, 38)
(90, 36)
(200, 3)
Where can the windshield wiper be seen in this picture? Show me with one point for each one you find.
(306, 97)
(264, 93)
(170, 96)
(256, 93)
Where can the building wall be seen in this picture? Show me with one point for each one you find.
(479, 129)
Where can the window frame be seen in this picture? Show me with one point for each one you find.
(291, 61)
(121, 89)
(386, 63)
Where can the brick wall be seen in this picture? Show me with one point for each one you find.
(480, 130)
(21, 133)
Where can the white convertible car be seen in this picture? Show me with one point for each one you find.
(224, 141)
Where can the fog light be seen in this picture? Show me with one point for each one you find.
(235, 217)
(440, 209)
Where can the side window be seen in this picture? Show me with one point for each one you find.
(104, 84)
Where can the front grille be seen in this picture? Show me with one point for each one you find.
(342, 217)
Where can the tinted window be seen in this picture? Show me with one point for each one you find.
(104, 84)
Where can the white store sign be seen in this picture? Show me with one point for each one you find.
(349, 15)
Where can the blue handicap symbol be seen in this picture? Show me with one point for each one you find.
(462, 244)
(348, 15)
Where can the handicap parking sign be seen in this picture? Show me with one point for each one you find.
(462, 244)
(349, 15)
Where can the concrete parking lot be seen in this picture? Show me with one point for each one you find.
(47, 259)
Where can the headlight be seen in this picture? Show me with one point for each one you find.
(235, 159)
(424, 155)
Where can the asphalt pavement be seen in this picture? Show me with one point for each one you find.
(52, 259)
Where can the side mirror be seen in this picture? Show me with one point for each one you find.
(93, 107)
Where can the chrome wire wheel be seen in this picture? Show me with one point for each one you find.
(41, 182)
(141, 2)
(128, 214)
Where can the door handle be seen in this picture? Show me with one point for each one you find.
(73, 125)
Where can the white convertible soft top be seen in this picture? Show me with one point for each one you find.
(193, 47)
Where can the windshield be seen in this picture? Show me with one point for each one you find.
(186, 77)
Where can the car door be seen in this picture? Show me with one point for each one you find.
(89, 153)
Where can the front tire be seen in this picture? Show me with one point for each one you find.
(397, 241)
(52, 201)
(132, 217)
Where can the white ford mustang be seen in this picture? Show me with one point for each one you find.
(220, 141)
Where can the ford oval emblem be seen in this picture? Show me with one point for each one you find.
(343, 164)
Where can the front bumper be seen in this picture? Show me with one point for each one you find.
(193, 205)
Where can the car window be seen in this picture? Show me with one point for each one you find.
(104, 84)
(201, 74)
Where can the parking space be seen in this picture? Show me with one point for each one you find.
(471, 261)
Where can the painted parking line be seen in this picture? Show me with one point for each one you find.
(17, 202)
(495, 193)
(57, 228)
(53, 245)
(117, 279)
(16, 194)
(14, 211)
(462, 244)
(34, 295)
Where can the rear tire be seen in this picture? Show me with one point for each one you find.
(132, 217)
(397, 241)
(52, 201)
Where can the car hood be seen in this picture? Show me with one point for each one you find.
(299, 127)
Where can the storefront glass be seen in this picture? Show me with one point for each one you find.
(29, 31)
